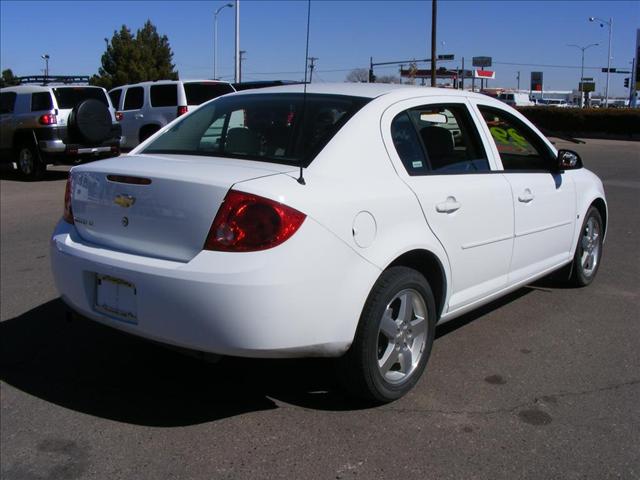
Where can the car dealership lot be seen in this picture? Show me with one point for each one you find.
(542, 384)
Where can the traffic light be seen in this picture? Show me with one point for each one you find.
(626, 82)
(372, 77)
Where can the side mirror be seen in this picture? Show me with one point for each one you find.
(568, 160)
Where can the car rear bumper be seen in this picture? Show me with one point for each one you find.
(303, 298)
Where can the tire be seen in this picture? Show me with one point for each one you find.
(90, 122)
(393, 340)
(146, 132)
(586, 260)
(28, 160)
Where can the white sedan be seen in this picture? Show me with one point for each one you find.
(344, 221)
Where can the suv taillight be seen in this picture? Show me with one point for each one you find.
(119, 116)
(182, 110)
(48, 119)
(248, 223)
(68, 212)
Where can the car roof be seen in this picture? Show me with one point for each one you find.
(43, 88)
(169, 82)
(367, 90)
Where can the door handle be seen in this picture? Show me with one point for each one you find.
(138, 115)
(526, 196)
(450, 205)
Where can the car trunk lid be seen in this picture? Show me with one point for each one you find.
(159, 206)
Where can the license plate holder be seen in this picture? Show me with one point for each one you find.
(116, 298)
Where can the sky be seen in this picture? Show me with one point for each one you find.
(520, 36)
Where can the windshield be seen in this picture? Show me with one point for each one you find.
(266, 127)
(69, 97)
(198, 93)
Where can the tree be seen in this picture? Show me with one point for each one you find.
(358, 75)
(128, 59)
(8, 79)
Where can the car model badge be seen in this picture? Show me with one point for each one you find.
(125, 201)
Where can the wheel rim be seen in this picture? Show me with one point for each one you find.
(590, 247)
(25, 161)
(402, 336)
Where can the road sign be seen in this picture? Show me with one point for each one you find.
(610, 70)
(481, 61)
(445, 57)
(587, 79)
(587, 86)
(536, 81)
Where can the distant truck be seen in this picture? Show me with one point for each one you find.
(515, 99)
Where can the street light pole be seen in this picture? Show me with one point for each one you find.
(610, 25)
(581, 85)
(237, 54)
(46, 57)
(215, 39)
(434, 15)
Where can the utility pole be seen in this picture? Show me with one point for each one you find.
(312, 65)
(518, 77)
(462, 79)
(632, 78)
(434, 14)
(237, 55)
(242, 52)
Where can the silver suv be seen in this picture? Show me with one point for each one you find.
(144, 108)
(46, 124)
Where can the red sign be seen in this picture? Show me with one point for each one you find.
(484, 74)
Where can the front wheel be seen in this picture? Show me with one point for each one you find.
(586, 260)
(394, 337)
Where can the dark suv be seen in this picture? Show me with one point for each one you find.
(41, 125)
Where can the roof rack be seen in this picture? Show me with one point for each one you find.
(46, 79)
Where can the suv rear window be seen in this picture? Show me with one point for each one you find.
(264, 127)
(7, 102)
(115, 95)
(41, 101)
(198, 93)
(164, 95)
(133, 98)
(69, 97)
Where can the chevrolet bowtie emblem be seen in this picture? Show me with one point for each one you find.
(125, 201)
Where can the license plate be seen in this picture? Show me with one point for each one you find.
(117, 298)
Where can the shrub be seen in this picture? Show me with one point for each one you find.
(615, 121)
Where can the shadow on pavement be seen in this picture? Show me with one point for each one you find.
(7, 172)
(87, 367)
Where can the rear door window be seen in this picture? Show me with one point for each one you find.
(164, 95)
(7, 102)
(69, 97)
(41, 101)
(134, 98)
(438, 139)
(201, 92)
(115, 97)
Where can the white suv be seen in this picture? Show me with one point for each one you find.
(144, 108)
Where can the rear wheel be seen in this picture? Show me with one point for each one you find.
(28, 161)
(394, 337)
(586, 260)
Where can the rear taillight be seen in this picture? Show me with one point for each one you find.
(182, 110)
(68, 212)
(48, 119)
(247, 223)
(119, 116)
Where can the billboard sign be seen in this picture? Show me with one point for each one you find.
(536, 81)
(486, 74)
(481, 62)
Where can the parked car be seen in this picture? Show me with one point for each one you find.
(144, 108)
(345, 222)
(515, 99)
(45, 124)
(553, 102)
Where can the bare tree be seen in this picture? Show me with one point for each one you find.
(387, 79)
(358, 75)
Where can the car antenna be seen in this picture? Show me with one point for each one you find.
(304, 91)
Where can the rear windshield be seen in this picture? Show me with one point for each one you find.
(69, 97)
(265, 127)
(198, 93)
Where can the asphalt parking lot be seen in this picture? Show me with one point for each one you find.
(544, 384)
